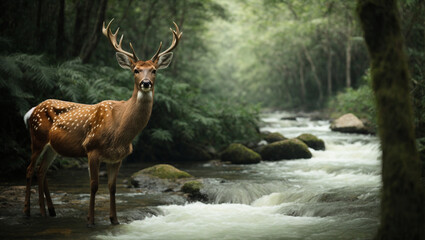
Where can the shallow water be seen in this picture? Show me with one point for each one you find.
(333, 195)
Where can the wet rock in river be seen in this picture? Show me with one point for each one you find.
(164, 178)
(193, 189)
(273, 137)
(164, 171)
(239, 154)
(286, 149)
(348, 123)
(161, 178)
(312, 141)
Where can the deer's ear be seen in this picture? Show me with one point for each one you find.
(165, 60)
(124, 61)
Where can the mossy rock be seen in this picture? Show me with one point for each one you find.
(163, 171)
(193, 191)
(286, 149)
(312, 141)
(239, 154)
(192, 187)
(273, 137)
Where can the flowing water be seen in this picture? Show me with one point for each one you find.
(333, 195)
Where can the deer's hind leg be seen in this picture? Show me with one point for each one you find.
(36, 152)
(47, 159)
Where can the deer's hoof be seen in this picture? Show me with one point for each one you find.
(114, 221)
(52, 212)
(27, 212)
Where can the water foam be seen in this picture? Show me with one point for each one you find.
(333, 195)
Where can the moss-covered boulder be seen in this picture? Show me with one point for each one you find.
(164, 171)
(273, 137)
(312, 141)
(286, 149)
(160, 177)
(239, 154)
(192, 187)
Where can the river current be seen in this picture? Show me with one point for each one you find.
(333, 195)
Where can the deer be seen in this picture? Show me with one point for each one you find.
(102, 132)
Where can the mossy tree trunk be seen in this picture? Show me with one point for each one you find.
(402, 203)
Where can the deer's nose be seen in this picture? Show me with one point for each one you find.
(146, 83)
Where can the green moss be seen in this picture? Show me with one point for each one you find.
(273, 137)
(192, 187)
(164, 171)
(286, 149)
(239, 154)
(312, 141)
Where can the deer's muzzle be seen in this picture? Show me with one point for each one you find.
(146, 85)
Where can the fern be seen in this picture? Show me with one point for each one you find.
(161, 135)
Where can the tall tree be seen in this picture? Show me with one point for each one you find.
(83, 11)
(60, 34)
(91, 43)
(402, 203)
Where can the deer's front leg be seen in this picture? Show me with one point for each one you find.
(112, 180)
(94, 164)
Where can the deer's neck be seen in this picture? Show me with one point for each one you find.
(135, 115)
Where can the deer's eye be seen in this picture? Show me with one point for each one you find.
(154, 71)
(136, 71)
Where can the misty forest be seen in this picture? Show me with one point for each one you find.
(273, 119)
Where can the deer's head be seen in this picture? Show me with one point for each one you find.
(144, 71)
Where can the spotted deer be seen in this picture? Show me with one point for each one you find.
(102, 132)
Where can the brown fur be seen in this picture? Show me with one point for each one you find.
(103, 132)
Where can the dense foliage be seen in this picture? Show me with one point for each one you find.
(358, 101)
(234, 57)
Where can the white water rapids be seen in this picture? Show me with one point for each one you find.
(333, 195)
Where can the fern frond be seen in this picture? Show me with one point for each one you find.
(161, 135)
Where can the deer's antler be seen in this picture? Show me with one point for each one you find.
(176, 37)
(113, 40)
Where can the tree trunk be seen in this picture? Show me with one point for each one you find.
(329, 70)
(38, 35)
(301, 72)
(329, 50)
(60, 37)
(348, 62)
(91, 44)
(81, 25)
(125, 14)
(152, 12)
(348, 52)
(313, 70)
(402, 203)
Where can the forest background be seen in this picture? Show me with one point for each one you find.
(236, 58)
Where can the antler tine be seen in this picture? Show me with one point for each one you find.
(176, 37)
(112, 37)
(155, 56)
(134, 52)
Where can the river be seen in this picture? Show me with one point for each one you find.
(333, 195)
